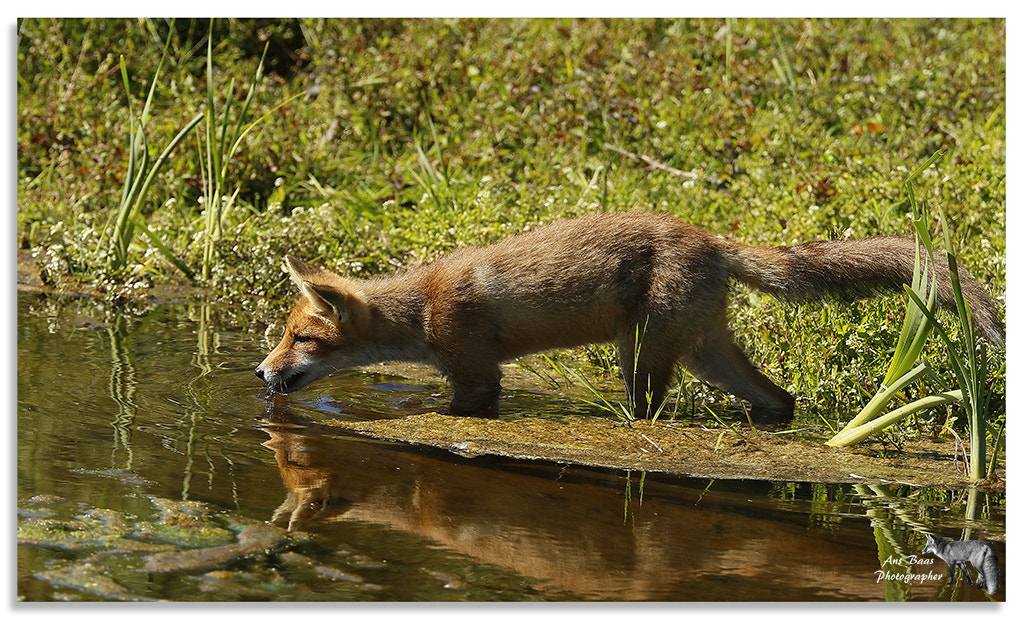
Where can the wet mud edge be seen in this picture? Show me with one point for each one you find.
(675, 448)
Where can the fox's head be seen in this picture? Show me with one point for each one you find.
(323, 333)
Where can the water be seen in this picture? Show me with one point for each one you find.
(119, 415)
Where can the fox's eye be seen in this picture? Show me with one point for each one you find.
(298, 338)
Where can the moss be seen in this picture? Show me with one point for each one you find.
(668, 447)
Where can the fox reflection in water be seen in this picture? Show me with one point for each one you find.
(566, 525)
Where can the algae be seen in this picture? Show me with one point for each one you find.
(93, 529)
(185, 536)
(184, 523)
(253, 538)
(179, 524)
(90, 578)
(672, 447)
(109, 562)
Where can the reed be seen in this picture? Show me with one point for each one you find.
(138, 178)
(968, 356)
(223, 139)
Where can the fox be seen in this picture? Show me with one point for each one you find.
(956, 554)
(596, 278)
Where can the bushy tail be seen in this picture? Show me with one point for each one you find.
(854, 269)
(989, 571)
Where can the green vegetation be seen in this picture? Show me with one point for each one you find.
(571, 374)
(968, 357)
(138, 178)
(904, 368)
(413, 137)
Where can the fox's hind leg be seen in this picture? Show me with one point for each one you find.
(646, 371)
(717, 359)
(967, 574)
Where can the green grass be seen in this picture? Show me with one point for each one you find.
(409, 138)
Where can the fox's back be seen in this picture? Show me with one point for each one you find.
(593, 274)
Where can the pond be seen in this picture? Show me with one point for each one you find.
(153, 466)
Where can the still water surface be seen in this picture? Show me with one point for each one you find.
(122, 416)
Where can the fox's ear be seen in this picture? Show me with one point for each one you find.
(325, 291)
(336, 304)
(302, 271)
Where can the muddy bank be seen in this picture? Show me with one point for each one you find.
(672, 447)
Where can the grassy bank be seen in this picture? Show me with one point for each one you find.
(409, 138)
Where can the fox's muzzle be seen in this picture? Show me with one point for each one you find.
(274, 382)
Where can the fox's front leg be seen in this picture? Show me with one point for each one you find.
(475, 390)
(953, 568)
(952, 573)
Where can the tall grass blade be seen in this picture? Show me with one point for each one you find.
(916, 327)
(223, 139)
(140, 174)
(970, 372)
